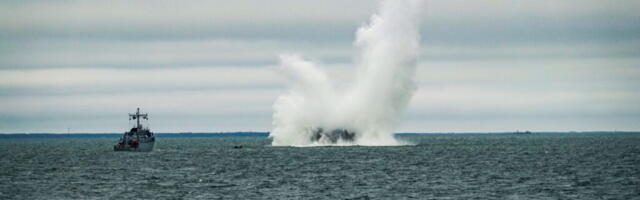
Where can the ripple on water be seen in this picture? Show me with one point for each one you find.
(437, 167)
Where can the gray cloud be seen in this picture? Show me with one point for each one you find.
(156, 54)
(206, 65)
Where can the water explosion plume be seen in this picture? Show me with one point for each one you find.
(314, 112)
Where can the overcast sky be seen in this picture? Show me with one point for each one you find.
(485, 65)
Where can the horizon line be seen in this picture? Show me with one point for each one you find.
(404, 132)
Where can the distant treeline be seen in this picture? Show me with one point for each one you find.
(117, 135)
(265, 134)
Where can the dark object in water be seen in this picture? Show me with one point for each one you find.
(237, 147)
(332, 136)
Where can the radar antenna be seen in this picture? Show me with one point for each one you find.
(137, 116)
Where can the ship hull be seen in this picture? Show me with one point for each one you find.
(142, 147)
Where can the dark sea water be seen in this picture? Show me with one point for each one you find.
(546, 166)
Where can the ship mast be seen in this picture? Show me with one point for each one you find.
(137, 116)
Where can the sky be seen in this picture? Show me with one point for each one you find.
(209, 66)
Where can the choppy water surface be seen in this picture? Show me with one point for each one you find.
(438, 167)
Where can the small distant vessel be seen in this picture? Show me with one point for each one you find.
(139, 138)
(522, 133)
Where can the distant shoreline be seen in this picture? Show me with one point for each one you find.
(266, 134)
(117, 135)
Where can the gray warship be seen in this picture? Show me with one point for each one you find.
(139, 138)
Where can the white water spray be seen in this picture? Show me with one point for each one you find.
(370, 108)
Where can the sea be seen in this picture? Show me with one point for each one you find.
(437, 166)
